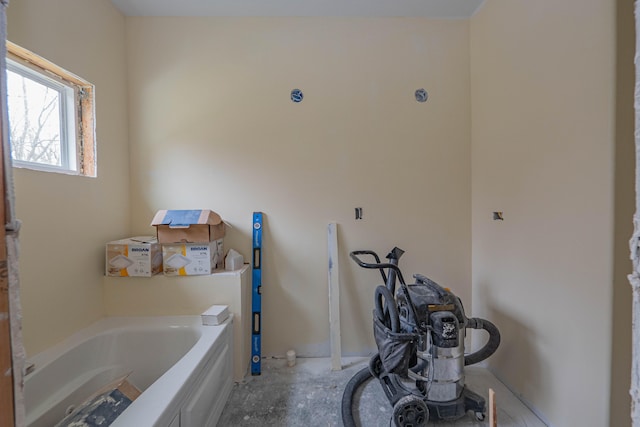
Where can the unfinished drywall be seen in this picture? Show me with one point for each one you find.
(67, 219)
(543, 141)
(212, 126)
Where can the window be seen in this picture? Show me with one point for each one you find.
(50, 115)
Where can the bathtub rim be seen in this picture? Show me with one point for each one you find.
(103, 326)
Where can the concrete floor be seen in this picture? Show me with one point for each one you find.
(310, 394)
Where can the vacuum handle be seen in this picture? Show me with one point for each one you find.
(355, 255)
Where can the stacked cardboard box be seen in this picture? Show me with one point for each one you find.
(136, 256)
(192, 241)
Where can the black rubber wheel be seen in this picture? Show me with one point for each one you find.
(410, 411)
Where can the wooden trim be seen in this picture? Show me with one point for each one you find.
(40, 62)
(493, 411)
(7, 408)
(87, 134)
(634, 244)
(334, 297)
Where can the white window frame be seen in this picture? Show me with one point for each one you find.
(77, 133)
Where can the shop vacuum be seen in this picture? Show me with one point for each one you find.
(419, 332)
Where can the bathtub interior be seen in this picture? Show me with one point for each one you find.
(99, 355)
(163, 347)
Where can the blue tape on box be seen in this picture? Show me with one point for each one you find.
(182, 217)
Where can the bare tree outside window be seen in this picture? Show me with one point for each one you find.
(34, 117)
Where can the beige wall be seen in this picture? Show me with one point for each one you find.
(67, 219)
(212, 126)
(543, 105)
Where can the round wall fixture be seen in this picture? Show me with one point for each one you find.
(296, 95)
(421, 95)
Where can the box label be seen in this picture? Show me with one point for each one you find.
(192, 259)
(128, 257)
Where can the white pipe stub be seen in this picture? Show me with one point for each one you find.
(291, 358)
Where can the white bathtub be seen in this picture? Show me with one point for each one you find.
(183, 369)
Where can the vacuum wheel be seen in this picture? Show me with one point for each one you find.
(410, 411)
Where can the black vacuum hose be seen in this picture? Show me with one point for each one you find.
(386, 310)
(347, 398)
(492, 343)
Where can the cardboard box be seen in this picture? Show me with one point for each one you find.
(104, 406)
(192, 259)
(188, 226)
(215, 315)
(139, 256)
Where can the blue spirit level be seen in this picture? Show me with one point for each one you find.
(256, 300)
